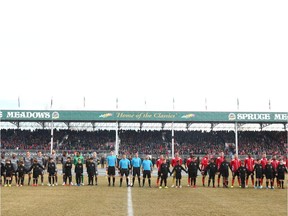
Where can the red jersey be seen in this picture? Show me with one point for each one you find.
(204, 163)
(274, 163)
(158, 163)
(235, 164)
(264, 162)
(249, 164)
(174, 161)
(286, 163)
(189, 160)
(219, 161)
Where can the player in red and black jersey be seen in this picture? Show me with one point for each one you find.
(281, 170)
(224, 171)
(263, 162)
(158, 165)
(269, 174)
(204, 164)
(258, 173)
(188, 161)
(175, 161)
(192, 171)
(275, 164)
(249, 164)
(219, 161)
(234, 165)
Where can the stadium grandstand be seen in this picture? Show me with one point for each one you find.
(145, 132)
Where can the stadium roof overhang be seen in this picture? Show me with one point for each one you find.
(91, 120)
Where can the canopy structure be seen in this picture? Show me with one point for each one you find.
(143, 120)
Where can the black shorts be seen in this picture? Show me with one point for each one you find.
(192, 174)
(281, 176)
(111, 171)
(250, 173)
(159, 174)
(204, 172)
(146, 173)
(234, 174)
(164, 176)
(259, 175)
(52, 174)
(269, 175)
(63, 169)
(68, 174)
(136, 171)
(124, 172)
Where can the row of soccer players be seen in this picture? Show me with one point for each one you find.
(268, 168)
(18, 168)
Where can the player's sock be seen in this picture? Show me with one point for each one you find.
(209, 180)
(53, 179)
(121, 179)
(165, 182)
(56, 179)
(92, 180)
(96, 180)
(49, 179)
(139, 181)
(233, 181)
(203, 180)
(127, 181)
(179, 182)
(113, 181)
(143, 182)
(109, 180)
(282, 184)
(246, 181)
(42, 179)
(213, 181)
(239, 183)
(133, 180)
(189, 181)
(70, 180)
(252, 178)
(194, 181)
(218, 181)
(36, 181)
(267, 183)
(157, 182)
(22, 181)
(29, 180)
(149, 182)
(65, 179)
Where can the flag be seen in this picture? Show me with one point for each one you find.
(84, 102)
(237, 103)
(117, 103)
(51, 104)
(269, 104)
(205, 103)
(18, 102)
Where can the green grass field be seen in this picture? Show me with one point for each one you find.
(104, 200)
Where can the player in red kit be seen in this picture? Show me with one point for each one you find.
(234, 165)
(176, 160)
(188, 161)
(249, 164)
(158, 165)
(275, 164)
(204, 164)
(219, 161)
(263, 162)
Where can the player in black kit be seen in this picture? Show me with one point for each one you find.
(281, 170)
(242, 171)
(164, 170)
(52, 170)
(259, 173)
(21, 171)
(37, 170)
(178, 169)
(79, 172)
(212, 170)
(67, 171)
(91, 171)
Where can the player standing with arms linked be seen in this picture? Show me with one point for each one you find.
(147, 168)
(136, 164)
(219, 161)
(249, 164)
(175, 161)
(124, 165)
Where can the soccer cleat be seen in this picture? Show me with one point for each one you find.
(160, 187)
(82, 184)
(180, 186)
(272, 187)
(232, 186)
(63, 184)
(49, 185)
(42, 184)
(56, 184)
(166, 187)
(21, 185)
(52, 185)
(188, 185)
(9, 185)
(173, 186)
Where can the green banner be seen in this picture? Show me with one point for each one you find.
(143, 116)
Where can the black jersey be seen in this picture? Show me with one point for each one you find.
(242, 170)
(21, 170)
(258, 169)
(52, 169)
(37, 169)
(193, 167)
(269, 169)
(9, 169)
(79, 168)
(68, 167)
(91, 170)
(164, 169)
(224, 169)
(212, 168)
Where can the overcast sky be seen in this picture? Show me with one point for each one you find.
(140, 51)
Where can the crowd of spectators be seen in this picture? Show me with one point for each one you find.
(148, 142)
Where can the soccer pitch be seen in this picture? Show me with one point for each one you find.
(104, 200)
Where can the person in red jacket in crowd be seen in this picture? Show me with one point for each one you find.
(249, 164)
(204, 164)
(219, 161)
(234, 165)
